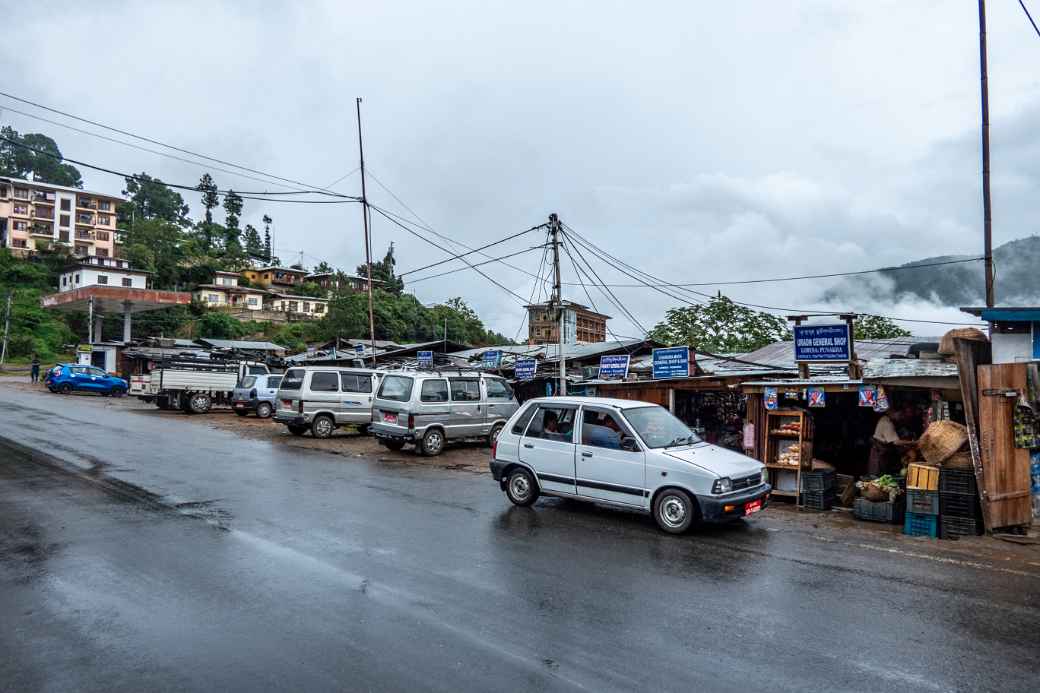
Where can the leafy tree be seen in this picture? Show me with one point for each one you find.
(324, 268)
(720, 326)
(267, 237)
(18, 159)
(253, 245)
(217, 325)
(384, 271)
(307, 289)
(157, 245)
(878, 327)
(150, 198)
(210, 200)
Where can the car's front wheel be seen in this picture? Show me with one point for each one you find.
(521, 488)
(674, 511)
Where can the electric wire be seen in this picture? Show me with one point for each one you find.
(611, 294)
(474, 265)
(535, 287)
(156, 142)
(1030, 17)
(475, 250)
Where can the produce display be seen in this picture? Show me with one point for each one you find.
(791, 456)
(884, 488)
(792, 428)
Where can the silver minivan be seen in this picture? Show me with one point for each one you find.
(320, 399)
(431, 408)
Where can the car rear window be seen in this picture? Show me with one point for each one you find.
(524, 419)
(324, 381)
(248, 381)
(293, 379)
(396, 387)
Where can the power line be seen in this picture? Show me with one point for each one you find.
(344, 177)
(477, 264)
(250, 195)
(156, 142)
(1029, 16)
(611, 296)
(535, 286)
(442, 248)
(475, 250)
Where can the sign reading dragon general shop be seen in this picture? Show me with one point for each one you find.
(821, 343)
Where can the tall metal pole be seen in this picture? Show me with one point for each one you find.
(368, 250)
(987, 214)
(7, 328)
(557, 296)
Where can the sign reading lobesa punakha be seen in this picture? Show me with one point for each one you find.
(821, 343)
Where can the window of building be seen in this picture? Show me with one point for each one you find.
(64, 279)
(19, 243)
(324, 382)
(65, 220)
(3, 190)
(319, 307)
(21, 193)
(21, 225)
(465, 390)
(76, 278)
(251, 300)
(21, 209)
(102, 279)
(66, 204)
(128, 282)
(306, 307)
(103, 219)
(215, 298)
(102, 252)
(105, 206)
(293, 306)
(434, 391)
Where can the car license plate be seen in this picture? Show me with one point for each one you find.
(753, 507)
(389, 418)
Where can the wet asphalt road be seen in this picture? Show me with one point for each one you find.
(254, 567)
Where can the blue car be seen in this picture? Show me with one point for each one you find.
(69, 377)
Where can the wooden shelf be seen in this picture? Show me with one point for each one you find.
(785, 434)
(790, 467)
(790, 494)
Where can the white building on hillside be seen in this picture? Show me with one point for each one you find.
(101, 271)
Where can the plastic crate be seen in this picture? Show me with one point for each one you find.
(959, 505)
(822, 480)
(958, 481)
(818, 500)
(922, 477)
(955, 527)
(920, 525)
(923, 502)
(885, 511)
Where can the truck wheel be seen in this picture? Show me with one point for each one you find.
(322, 426)
(674, 511)
(432, 442)
(394, 445)
(199, 403)
(521, 488)
(297, 430)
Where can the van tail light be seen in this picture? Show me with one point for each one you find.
(411, 421)
(301, 406)
(287, 403)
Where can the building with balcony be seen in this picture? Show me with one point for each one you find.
(297, 307)
(101, 271)
(580, 324)
(276, 277)
(225, 292)
(331, 282)
(34, 216)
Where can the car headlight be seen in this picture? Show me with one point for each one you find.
(723, 485)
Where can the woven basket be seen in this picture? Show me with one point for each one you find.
(958, 460)
(946, 345)
(941, 440)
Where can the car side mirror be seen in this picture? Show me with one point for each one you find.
(629, 443)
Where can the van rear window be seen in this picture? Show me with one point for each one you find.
(396, 387)
(293, 379)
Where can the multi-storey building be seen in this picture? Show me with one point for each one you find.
(333, 281)
(36, 215)
(275, 277)
(580, 324)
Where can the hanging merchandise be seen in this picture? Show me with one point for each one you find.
(770, 398)
(1026, 434)
(1034, 475)
(880, 400)
(817, 397)
(867, 396)
(749, 436)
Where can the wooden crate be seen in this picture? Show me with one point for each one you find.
(921, 477)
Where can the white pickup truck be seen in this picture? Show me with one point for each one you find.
(192, 386)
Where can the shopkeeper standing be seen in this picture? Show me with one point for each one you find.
(887, 447)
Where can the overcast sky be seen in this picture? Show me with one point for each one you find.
(699, 141)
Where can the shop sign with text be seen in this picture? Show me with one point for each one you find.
(821, 343)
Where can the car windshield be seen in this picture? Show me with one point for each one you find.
(396, 387)
(658, 428)
(248, 381)
(293, 379)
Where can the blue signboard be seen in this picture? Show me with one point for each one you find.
(613, 366)
(821, 343)
(671, 362)
(425, 359)
(524, 369)
(491, 359)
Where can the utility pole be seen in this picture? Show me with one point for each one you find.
(7, 328)
(368, 250)
(557, 296)
(987, 213)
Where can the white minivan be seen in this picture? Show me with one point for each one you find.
(624, 453)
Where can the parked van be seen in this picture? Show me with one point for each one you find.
(323, 398)
(428, 409)
(625, 453)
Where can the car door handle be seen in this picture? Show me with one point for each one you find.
(528, 445)
(586, 454)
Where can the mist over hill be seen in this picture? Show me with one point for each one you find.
(1017, 271)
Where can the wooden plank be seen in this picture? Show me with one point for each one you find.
(971, 354)
(1006, 477)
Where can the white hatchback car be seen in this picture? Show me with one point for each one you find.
(624, 453)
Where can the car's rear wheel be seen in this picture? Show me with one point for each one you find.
(674, 511)
(391, 444)
(322, 426)
(65, 389)
(521, 488)
(297, 430)
(432, 442)
(264, 410)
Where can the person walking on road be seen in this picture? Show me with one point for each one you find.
(35, 374)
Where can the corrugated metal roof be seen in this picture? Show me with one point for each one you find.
(883, 369)
(240, 344)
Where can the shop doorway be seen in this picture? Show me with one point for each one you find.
(716, 416)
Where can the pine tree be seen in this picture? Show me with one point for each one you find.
(267, 237)
(254, 246)
(233, 211)
(210, 200)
